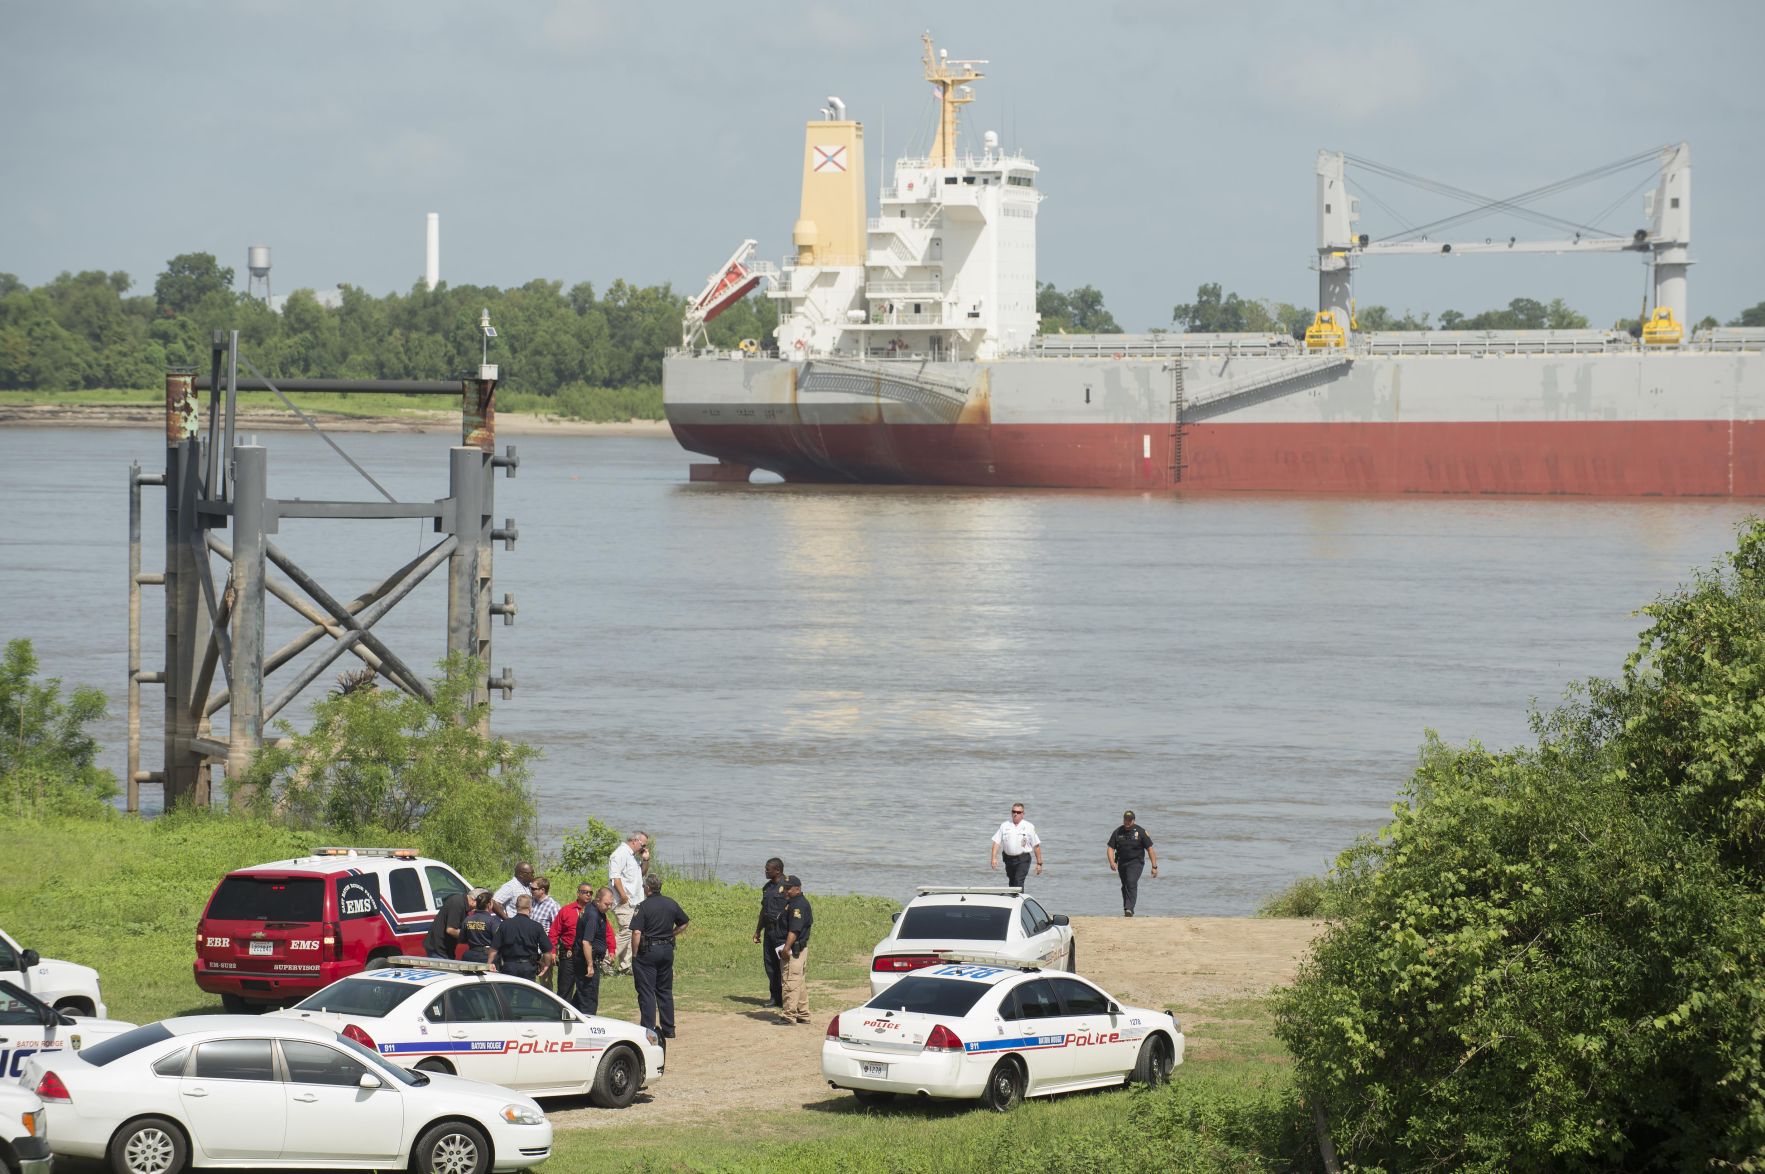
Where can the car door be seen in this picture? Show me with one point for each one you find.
(28, 1026)
(479, 1045)
(1092, 1035)
(1050, 942)
(331, 1117)
(1035, 1028)
(546, 1033)
(12, 967)
(233, 1100)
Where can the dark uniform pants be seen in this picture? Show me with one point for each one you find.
(1130, 874)
(587, 996)
(476, 955)
(437, 953)
(566, 972)
(774, 969)
(519, 967)
(1017, 868)
(653, 971)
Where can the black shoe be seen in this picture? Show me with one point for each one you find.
(1127, 912)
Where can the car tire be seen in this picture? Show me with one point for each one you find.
(1153, 1067)
(151, 1145)
(1072, 956)
(871, 1098)
(75, 1007)
(435, 1064)
(237, 1005)
(618, 1078)
(1004, 1088)
(452, 1147)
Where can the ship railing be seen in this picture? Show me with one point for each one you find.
(901, 318)
(891, 288)
(1112, 346)
(1730, 338)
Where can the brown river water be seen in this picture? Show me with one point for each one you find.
(863, 680)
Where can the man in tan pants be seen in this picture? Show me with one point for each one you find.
(793, 953)
(625, 876)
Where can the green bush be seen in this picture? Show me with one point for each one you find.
(1554, 957)
(1308, 897)
(47, 759)
(380, 762)
(585, 851)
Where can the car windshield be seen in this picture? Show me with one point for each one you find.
(976, 923)
(118, 1046)
(269, 898)
(372, 1057)
(930, 996)
(370, 998)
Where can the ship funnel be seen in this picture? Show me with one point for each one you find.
(830, 228)
(839, 108)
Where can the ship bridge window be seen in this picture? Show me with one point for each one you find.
(968, 179)
(1020, 181)
(950, 179)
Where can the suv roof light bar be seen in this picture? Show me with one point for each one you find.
(995, 891)
(394, 853)
(410, 962)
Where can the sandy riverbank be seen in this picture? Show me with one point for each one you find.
(258, 420)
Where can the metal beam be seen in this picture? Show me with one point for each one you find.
(398, 668)
(345, 386)
(245, 712)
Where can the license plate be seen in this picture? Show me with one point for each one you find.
(878, 1071)
(262, 949)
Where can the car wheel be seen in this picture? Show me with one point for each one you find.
(236, 1005)
(617, 1080)
(871, 1098)
(1004, 1087)
(1154, 1065)
(151, 1145)
(75, 1007)
(432, 1064)
(1072, 956)
(453, 1147)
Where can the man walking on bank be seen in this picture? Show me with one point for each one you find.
(654, 928)
(1016, 839)
(770, 929)
(1127, 849)
(793, 952)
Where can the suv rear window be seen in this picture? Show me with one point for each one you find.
(269, 898)
(968, 922)
(118, 1046)
(930, 996)
(371, 998)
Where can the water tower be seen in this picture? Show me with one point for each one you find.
(257, 263)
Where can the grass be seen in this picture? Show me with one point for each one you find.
(577, 402)
(124, 895)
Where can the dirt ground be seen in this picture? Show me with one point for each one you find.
(741, 1059)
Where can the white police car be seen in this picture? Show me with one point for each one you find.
(966, 1031)
(29, 1026)
(1000, 924)
(465, 1018)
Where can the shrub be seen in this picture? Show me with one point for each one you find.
(47, 759)
(1307, 897)
(1554, 956)
(382, 762)
(585, 851)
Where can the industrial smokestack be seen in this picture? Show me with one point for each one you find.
(432, 255)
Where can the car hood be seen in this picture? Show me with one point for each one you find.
(93, 1027)
(455, 1087)
(56, 973)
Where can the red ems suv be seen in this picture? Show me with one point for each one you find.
(277, 932)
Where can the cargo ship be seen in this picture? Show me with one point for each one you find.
(909, 351)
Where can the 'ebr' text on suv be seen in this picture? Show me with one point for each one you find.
(280, 931)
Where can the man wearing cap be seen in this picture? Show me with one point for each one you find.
(799, 919)
(1127, 850)
(770, 927)
(443, 937)
(1016, 839)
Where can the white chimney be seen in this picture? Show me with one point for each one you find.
(432, 255)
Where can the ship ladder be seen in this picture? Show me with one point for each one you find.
(1176, 447)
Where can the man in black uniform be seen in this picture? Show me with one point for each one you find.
(591, 951)
(444, 932)
(478, 931)
(799, 919)
(770, 928)
(522, 948)
(1128, 847)
(654, 926)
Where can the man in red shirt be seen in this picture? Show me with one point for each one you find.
(563, 935)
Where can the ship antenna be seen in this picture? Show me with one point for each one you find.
(951, 80)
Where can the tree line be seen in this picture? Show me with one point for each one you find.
(88, 330)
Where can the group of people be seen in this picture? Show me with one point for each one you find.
(1126, 851)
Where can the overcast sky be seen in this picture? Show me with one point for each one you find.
(583, 141)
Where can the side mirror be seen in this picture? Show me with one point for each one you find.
(895, 916)
(1062, 919)
(1114, 1009)
(28, 959)
(369, 1080)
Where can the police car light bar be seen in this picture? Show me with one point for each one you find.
(393, 853)
(410, 962)
(992, 960)
(996, 891)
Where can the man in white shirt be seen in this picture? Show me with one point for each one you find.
(1015, 840)
(625, 872)
(513, 889)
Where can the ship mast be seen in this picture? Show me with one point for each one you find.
(950, 79)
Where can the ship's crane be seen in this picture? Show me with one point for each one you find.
(734, 280)
(1667, 208)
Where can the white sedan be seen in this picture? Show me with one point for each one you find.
(28, 1026)
(443, 1016)
(240, 1090)
(1001, 924)
(968, 1031)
